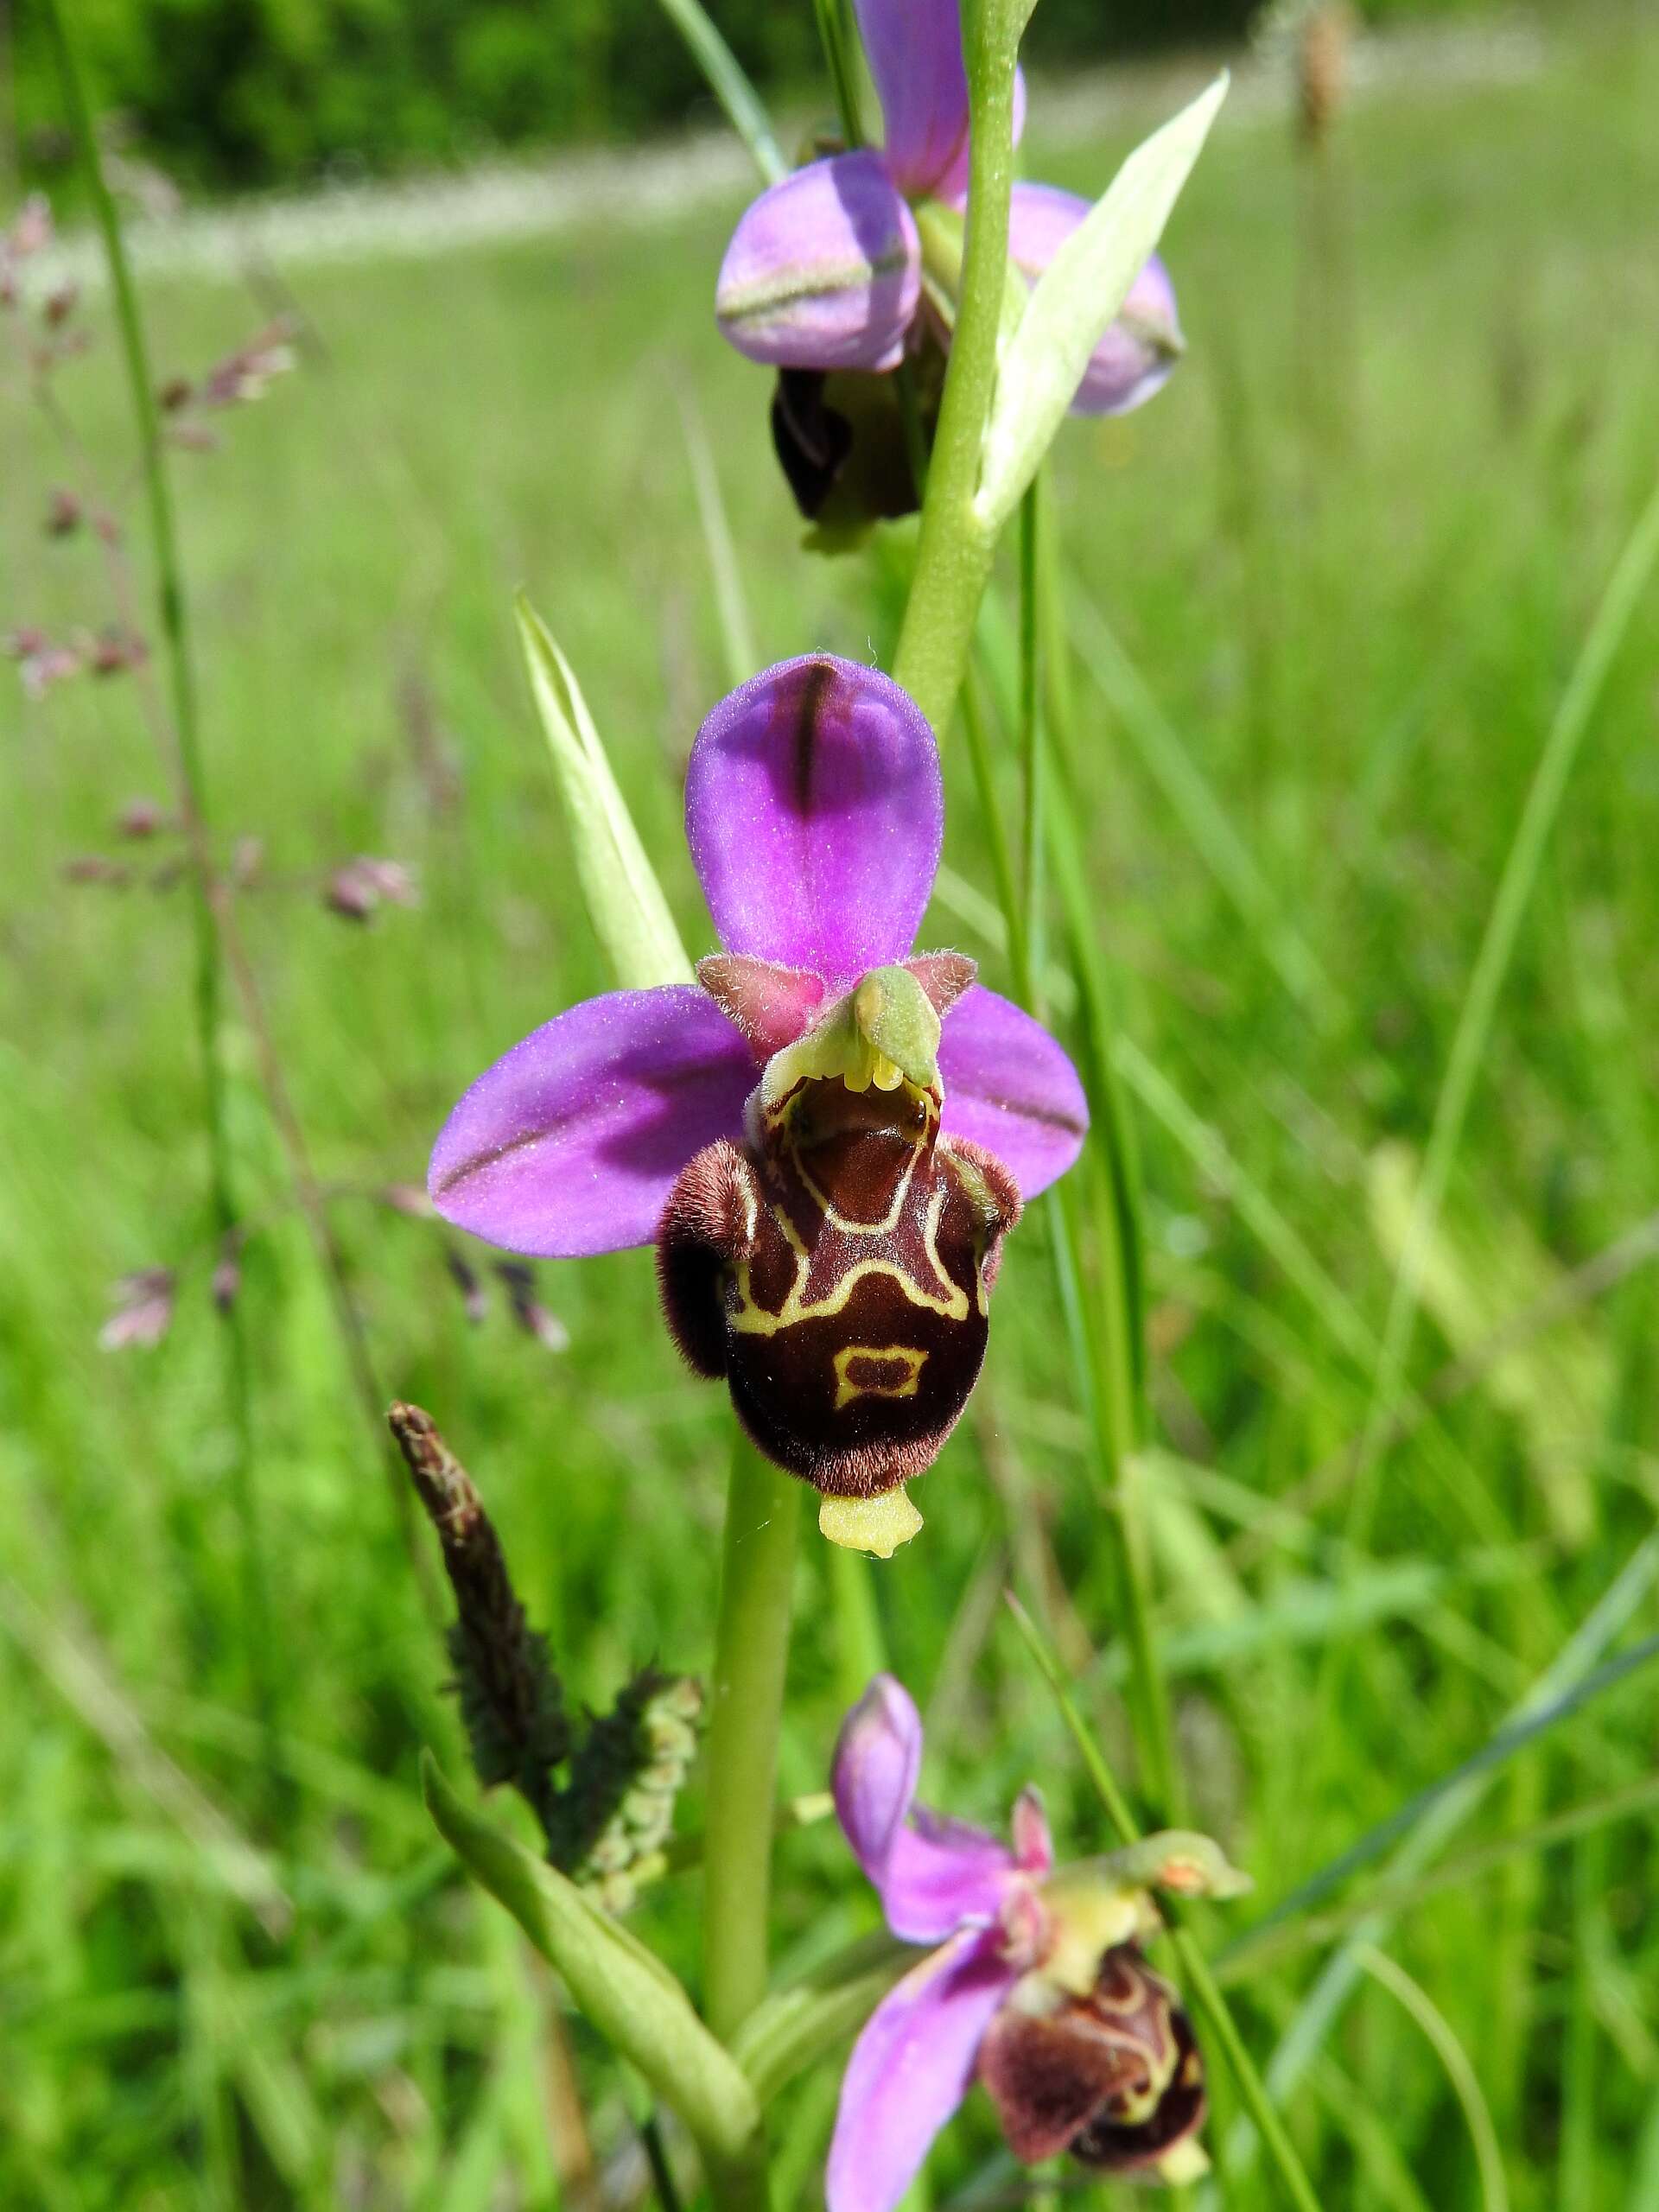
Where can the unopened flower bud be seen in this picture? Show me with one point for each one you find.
(63, 513)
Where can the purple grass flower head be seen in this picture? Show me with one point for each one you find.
(142, 1311)
(828, 1135)
(1037, 1985)
(847, 268)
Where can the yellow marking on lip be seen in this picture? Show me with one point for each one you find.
(750, 1319)
(889, 1221)
(904, 1357)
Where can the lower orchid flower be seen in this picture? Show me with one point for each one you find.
(829, 1135)
(1038, 1986)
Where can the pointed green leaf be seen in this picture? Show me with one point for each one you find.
(623, 900)
(1075, 301)
(627, 1995)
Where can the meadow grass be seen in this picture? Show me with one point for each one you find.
(1329, 591)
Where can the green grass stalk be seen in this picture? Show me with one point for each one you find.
(173, 615)
(1108, 1308)
(1619, 603)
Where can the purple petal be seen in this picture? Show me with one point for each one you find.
(814, 815)
(1141, 345)
(571, 1143)
(1034, 1846)
(933, 1875)
(914, 49)
(878, 1758)
(942, 1875)
(910, 2070)
(823, 271)
(1010, 1087)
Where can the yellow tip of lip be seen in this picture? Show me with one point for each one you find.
(1187, 2162)
(877, 1525)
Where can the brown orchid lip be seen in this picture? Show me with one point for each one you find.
(1114, 2077)
(836, 1272)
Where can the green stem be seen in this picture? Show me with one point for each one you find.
(953, 554)
(1032, 654)
(746, 1699)
(174, 625)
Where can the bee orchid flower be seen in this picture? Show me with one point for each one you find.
(828, 1136)
(1037, 1985)
(831, 278)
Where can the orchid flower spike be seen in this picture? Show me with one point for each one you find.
(1037, 1985)
(850, 265)
(828, 1136)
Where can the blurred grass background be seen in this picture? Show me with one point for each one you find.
(1348, 560)
(243, 92)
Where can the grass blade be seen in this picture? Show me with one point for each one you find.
(1465, 2084)
(727, 79)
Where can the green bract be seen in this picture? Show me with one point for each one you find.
(628, 1994)
(1076, 298)
(625, 900)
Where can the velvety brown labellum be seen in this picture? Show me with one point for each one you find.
(840, 1281)
(1115, 2078)
(842, 444)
